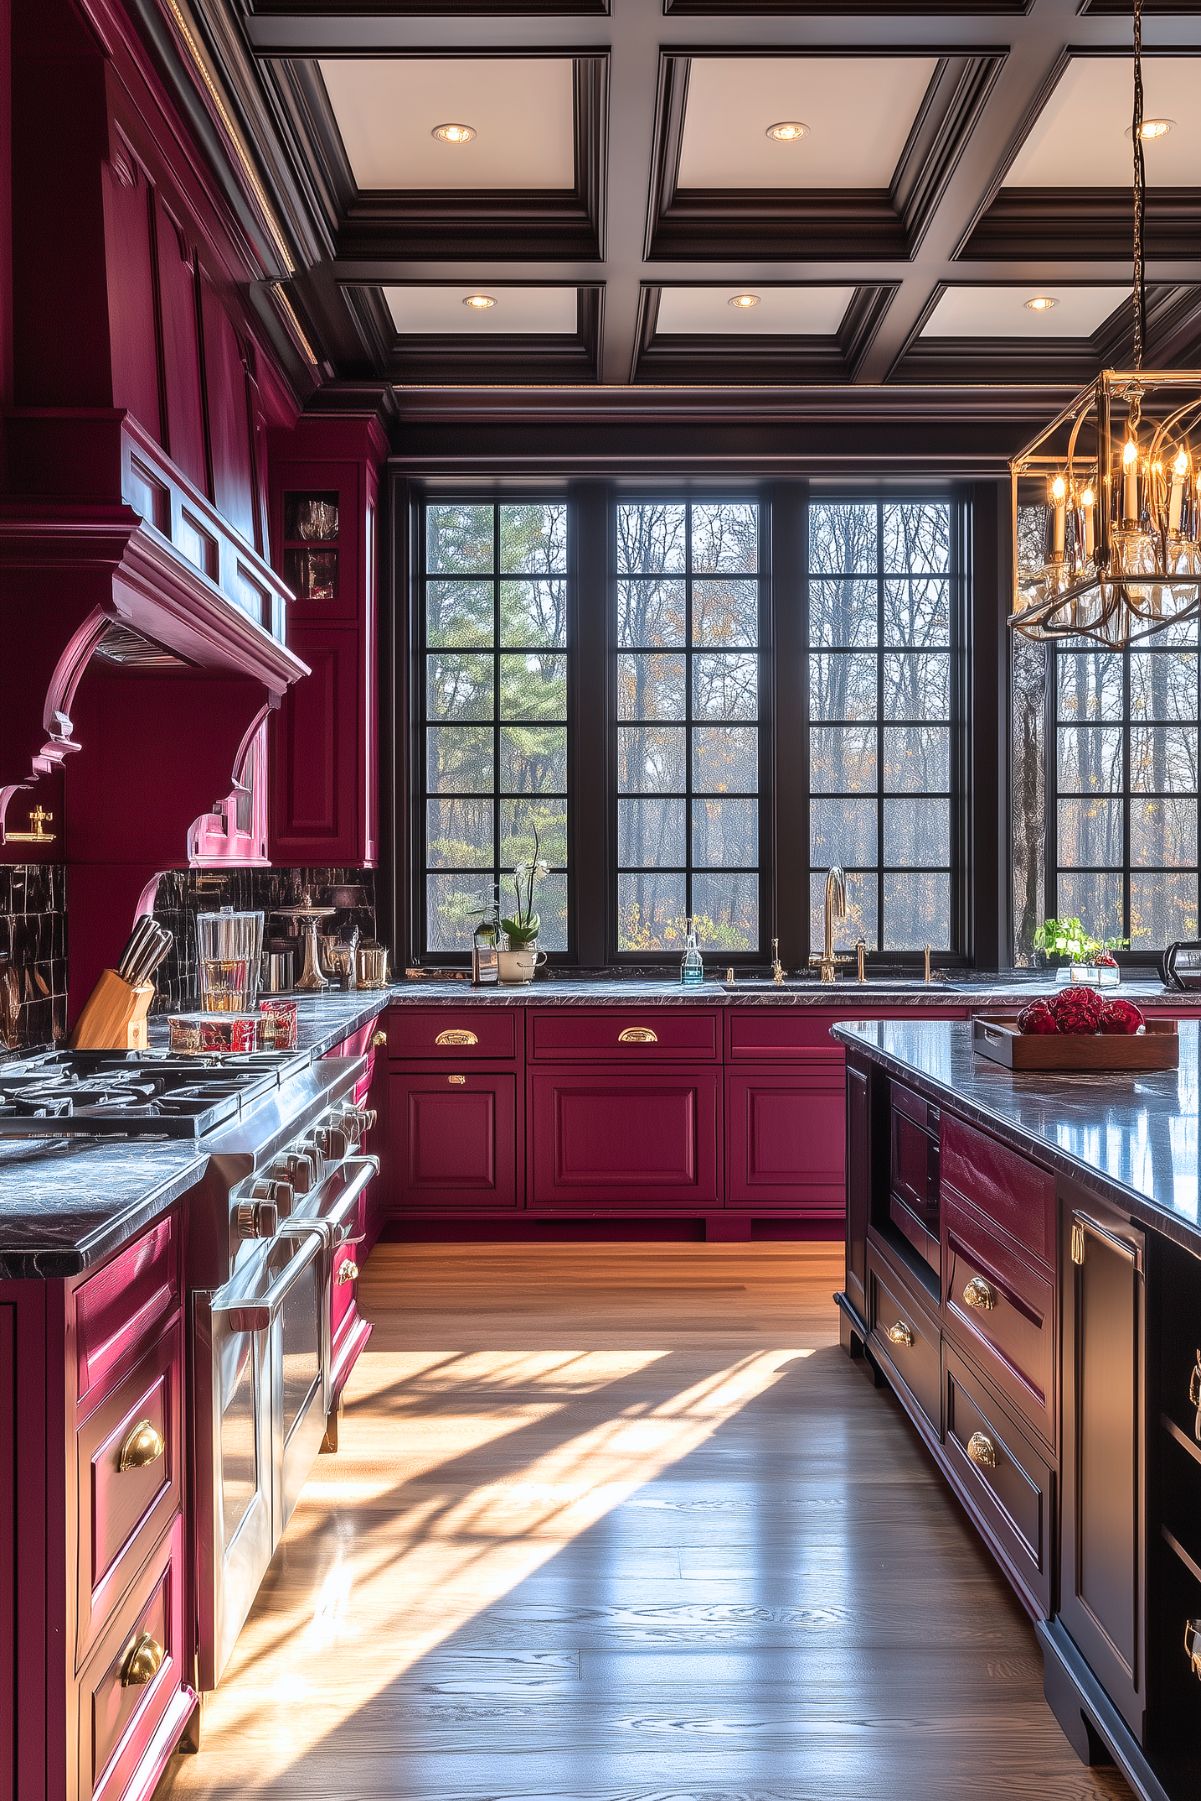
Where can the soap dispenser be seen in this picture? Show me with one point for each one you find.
(692, 968)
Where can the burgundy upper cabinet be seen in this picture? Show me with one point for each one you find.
(324, 503)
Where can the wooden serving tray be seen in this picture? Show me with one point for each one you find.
(1157, 1046)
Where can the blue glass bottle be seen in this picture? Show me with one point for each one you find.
(692, 968)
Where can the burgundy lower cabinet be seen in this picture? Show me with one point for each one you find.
(785, 1136)
(95, 1652)
(453, 1138)
(645, 1142)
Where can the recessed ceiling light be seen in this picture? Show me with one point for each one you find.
(1152, 129)
(479, 303)
(787, 131)
(1041, 303)
(453, 134)
(743, 301)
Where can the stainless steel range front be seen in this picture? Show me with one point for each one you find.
(264, 1227)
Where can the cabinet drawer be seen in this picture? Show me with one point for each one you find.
(785, 1139)
(1006, 1483)
(347, 1258)
(128, 1478)
(638, 1143)
(905, 1339)
(119, 1310)
(453, 1138)
(1001, 1311)
(454, 1033)
(624, 1035)
(1017, 1196)
(775, 1030)
(119, 1716)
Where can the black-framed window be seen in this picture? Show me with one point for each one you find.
(688, 610)
(494, 635)
(1123, 788)
(885, 617)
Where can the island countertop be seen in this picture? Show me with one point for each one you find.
(1133, 1139)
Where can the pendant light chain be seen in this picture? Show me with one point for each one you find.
(1140, 193)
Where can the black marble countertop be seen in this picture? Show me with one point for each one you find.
(1132, 1139)
(844, 995)
(69, 1204)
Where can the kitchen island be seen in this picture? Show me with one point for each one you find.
(1023, 1268)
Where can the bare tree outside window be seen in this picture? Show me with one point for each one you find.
(882, 612)
(494, 710)
(688, 724)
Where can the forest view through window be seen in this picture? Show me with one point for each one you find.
(883, 618)
(494, 626)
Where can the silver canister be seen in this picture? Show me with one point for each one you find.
(279, 971)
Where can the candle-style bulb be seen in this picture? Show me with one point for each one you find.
(1059, 488)
(1180, 466)
(1130, 482)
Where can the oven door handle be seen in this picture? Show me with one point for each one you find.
(247, 1314)
(334, 1223)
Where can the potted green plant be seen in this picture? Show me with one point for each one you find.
(521, 956)
(1077, 955)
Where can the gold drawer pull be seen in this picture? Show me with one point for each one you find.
(142, 1661)
(456, 1035)
(1192, 1645)
(144, 1445)
(980, 1294)
(379, 1039)
(901, 1334)
(457, 1081)
(348, 1271)
(637, 1035)
(982, 1450)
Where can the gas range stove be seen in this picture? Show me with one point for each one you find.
(133, 1094)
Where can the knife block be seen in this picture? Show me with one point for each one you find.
(113, 1016)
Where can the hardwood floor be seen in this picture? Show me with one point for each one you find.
(622, 1523)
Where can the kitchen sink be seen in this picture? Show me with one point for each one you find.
(844, 987)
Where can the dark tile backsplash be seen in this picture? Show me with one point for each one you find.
(183, 893)
(33, 954)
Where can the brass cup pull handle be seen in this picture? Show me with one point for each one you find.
(457, 1081)
(982, 1450)
(348, 1271)
(142, 1661)
(901, 1334)
(980, 1294)
(144, 1445)
(379, 1039)
(456, 1035)
(637, 1035)
(1192, 1645)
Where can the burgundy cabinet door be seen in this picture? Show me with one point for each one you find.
(453, 1139)
(785, 1134)
(318, 795)
(8, 1624)
(641, 1141)
(858, 1181)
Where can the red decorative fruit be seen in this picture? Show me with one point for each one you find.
(1077, 1010)
(1106, 960)
(1121, 1017)
(1036, 1018)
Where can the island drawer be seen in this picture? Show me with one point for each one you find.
(1017, 1196)
(1000, 1310)
(625, 1035)
(455, 1033)
(128, 1479)
(1006, 1484)
(905, 1339)
(120, 1310)
(774, 1030)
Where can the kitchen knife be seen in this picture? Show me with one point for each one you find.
(130, 956)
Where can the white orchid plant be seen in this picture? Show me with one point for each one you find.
(523, 926)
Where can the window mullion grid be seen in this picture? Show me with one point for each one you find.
(496, 701)
(688, 687)
(879, 726)
(1127, 884)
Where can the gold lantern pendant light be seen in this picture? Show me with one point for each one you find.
(1107, 497)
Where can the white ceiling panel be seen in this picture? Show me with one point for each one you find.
(1080, 139)
(522, 109)
(799, 311)
(1003, 313)
(859, 110)
(422, 310)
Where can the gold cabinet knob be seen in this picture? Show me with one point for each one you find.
(980, 1294)
(1192, 1645)
(982, 1450)
(142, 1661)
(456, 1035)
(144, 1445)
(901, 1333)
(379, 1039)
(637, 1035)
(457, 1081)
(348, 1271)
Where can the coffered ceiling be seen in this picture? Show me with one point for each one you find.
(940, 165)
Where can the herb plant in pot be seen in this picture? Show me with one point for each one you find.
(1077, 956)
(521, 956)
